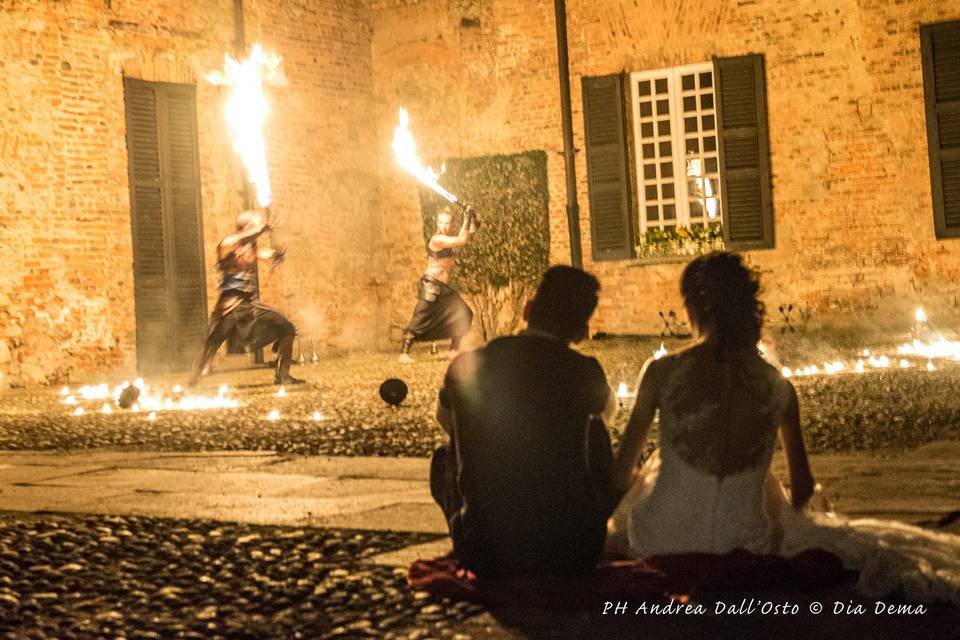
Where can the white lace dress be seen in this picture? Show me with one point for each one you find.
(708, 489)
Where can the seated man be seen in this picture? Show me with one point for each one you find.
(525, 483)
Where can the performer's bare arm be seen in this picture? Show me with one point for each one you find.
(232, 242)
(265, 253)
(439, 241)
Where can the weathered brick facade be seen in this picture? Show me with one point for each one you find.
(66, 293)
(854, 228)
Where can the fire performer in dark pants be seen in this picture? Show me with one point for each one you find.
(237, 316)
(440, 311)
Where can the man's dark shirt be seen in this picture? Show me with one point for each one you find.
(521, 407)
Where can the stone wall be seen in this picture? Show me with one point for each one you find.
(854, 226)
(66, 290)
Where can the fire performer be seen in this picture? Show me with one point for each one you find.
(237, 316)
(440, 311)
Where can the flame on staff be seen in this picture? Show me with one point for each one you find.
(405, 149)
(246, 111)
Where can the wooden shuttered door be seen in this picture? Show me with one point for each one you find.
(940, 55)
(608, 179)
(744, 150)
(169, 287)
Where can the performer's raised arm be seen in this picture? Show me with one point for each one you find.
(441, 240)
(250, 226)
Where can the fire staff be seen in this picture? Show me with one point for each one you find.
(440, 311)
(237, 316)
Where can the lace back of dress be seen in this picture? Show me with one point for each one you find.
(720, 412)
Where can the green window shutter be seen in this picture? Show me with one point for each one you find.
(168, 266)
(151, 275)
(940, 56)
(183, 186)
(608, 179)
(744, 147)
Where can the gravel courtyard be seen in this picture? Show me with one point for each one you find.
(92, 576)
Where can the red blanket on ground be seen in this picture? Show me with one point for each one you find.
(654, 578)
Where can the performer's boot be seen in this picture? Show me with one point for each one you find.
(200, 364)
(405, 349)
(284, 360)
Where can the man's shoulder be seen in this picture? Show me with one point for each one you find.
(551, 351)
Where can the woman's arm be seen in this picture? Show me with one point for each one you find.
(801, 478)
(635, 435)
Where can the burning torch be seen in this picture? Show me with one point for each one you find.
(246, 111)
(405, 150)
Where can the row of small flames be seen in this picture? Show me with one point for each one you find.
(938, 349)
(150, 400)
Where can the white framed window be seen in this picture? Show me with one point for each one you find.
(675, 139)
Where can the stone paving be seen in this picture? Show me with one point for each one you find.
(123, 527)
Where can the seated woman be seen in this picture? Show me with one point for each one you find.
(708, 488)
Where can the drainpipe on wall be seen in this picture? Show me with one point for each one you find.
(569, 153)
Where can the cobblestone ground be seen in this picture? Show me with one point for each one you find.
(86, 577)
(78, 577)
(877, 409)
(133, 577)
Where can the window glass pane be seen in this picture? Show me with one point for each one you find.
(668, 202)
(713, 208)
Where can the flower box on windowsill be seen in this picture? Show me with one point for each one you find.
(665, 246)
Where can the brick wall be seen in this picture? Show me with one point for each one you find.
(66, 289)
(851, 186)
(854, 225)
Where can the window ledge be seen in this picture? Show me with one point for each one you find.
(652, 260)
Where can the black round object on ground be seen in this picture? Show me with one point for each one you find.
(128, 396)
(393, 391)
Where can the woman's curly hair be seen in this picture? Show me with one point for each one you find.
(721, 292)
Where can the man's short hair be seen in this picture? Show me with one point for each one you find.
(445, 211)
(564, 302)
